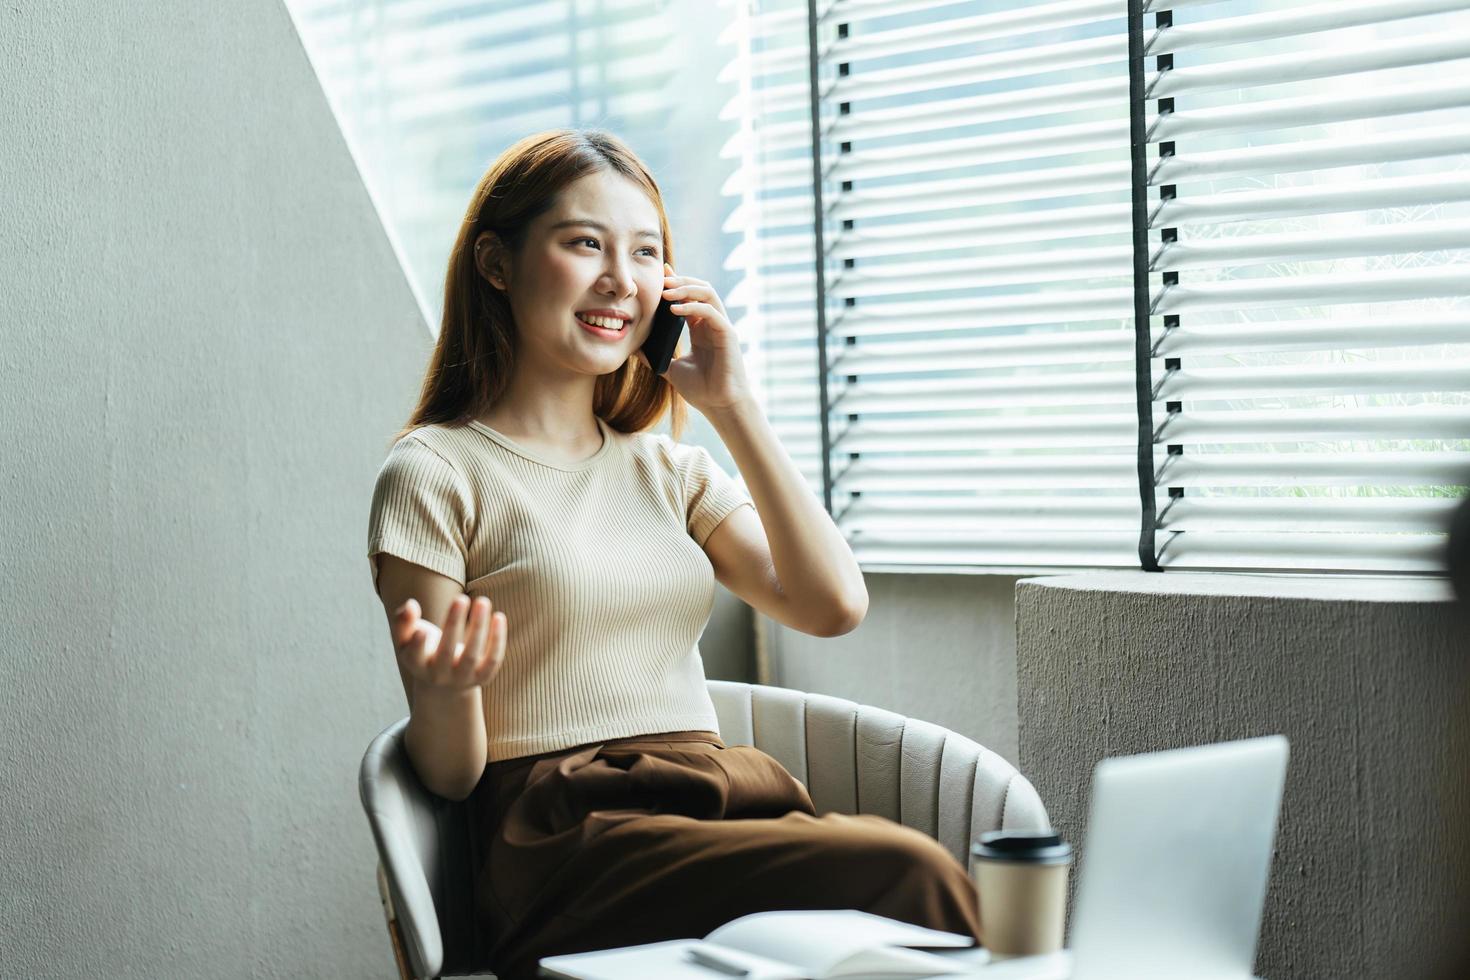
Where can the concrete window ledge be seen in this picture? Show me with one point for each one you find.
(1369, 679)
(1333, 587)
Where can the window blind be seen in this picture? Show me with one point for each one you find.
(1302, 230)
(1310, 264)
(976, 218)
(430, 91)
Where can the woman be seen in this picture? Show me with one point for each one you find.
(566, 701)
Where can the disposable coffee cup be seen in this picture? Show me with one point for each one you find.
(1022, 880)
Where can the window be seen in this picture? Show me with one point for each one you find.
(960, 375)
(429, 92)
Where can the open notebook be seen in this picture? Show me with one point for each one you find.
(786, 945)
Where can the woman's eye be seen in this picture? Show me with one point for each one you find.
(650, 249)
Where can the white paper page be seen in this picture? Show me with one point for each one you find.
(668, 960)
(817, 940)
(896, 961)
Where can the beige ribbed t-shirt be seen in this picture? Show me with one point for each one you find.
(598, 565)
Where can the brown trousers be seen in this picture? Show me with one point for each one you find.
(653, 837)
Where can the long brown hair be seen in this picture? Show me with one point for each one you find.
(475, 355)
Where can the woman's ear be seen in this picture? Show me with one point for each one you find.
(490, 258)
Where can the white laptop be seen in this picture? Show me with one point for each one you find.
(1172, 880)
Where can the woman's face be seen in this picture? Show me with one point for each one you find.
(597, 249)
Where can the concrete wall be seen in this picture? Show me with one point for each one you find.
(1365, 677)
(208, 342)
(937, 647)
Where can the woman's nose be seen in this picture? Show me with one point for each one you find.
(618, 279)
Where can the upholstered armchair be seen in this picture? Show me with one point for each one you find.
(852, 758)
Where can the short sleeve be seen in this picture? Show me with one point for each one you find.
(710, 494)
(421, 507)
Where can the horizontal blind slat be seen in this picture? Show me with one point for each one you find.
(1302, 66)
(1311, 110)
(1416, 144)
(991, 514)
(1102, 470)
(877, 358)
(935, 195)
(1323, 290)
(1275, 24)
(1385, 192)
(1047, 224)
(1441, 374)
(1038, 142)
(781, 99)
(1102, 392)
(1420, 553)
(1369, 468)
(1206, 426)
(1316, 334)
(1067, 550)
(1284, 424)
(1292, 513)
(1386, 239)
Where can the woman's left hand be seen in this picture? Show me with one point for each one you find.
(711, 377)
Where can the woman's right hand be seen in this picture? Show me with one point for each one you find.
(465, 653)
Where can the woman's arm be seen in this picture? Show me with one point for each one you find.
(446, 726)
(446, 740)
(792, 563)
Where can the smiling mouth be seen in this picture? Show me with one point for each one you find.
(605, 324)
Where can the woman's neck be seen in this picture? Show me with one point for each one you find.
(556, 435)
(540, 414)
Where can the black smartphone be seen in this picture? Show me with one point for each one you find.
(659, 347)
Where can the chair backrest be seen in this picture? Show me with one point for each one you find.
(852, 758)
(423, 848)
